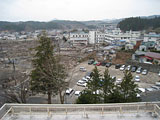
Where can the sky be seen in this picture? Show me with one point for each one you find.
(80, 10)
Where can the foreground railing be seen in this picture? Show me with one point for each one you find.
(76, 109)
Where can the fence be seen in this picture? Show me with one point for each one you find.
(100, 109)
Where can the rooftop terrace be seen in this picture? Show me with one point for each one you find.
(124, 111)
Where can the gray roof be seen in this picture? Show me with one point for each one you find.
(153, 55)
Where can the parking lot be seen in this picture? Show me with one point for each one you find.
(146, 81)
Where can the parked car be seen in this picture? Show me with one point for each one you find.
(150, 89)
(82, 69)
(85, 79)
(95, 62)
(69, 91)
(108, 64)
(159, 73)
(137, 78)
(133, 69)
(144, 72)
(139, 70)
(88, 74)
(98, 64)
(117, 66)
(157, 83)
(90, 62)
(155, 87)
(128, 67)
(88, 77)
(122, 67)
(118, 81)
(142, 90)
(96, 92)
(77, 93)
(82, 83)
(103, 63)
(113, 77)
(138, 95)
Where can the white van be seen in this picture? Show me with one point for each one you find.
(83, 69)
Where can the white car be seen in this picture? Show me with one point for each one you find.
(118, 81)
(139, 70)
(88, 77)
(82, 83)
(158, 83)
(128, 67)
(144, 72)
(97, 92)
(155, 87)
(85, 79)
(138, 95)
(142, 90)
(69, 91)
(113, 77)
(82, 69)
(137, 78)
(150, 89)
(159, 73)
(122, 67)
(77, 93)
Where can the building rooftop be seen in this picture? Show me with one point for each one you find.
(123, 111)
(153, 55)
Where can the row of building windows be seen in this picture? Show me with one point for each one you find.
(80, 36)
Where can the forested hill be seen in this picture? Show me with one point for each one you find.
(34, 25)
(137, 23)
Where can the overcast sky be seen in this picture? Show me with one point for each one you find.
(46, 10)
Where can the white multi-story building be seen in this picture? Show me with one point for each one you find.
(78, 38)
(100, 37)
(128, 35)
(96, 37)
(152, 37)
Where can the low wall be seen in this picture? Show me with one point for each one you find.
(58, 109)
(149, 67)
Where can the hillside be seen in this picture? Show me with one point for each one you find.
(138, 23)
(33, 25)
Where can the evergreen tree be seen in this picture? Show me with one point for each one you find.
(86, 97)
(115, 96)
(91, 95)
(47, 75)
(94, 85)
(128, 88)
(107, 86)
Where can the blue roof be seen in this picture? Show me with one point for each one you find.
(122, 40)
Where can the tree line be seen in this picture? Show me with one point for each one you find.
(35, 25)
(138, 24)
(102, 89)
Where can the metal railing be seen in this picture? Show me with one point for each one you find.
(79, 109)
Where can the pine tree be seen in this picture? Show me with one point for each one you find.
(86, 97)
(94, 85)
(48, 74)
(107, 86)
(128, 88)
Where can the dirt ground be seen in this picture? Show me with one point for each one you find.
(145, 80)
